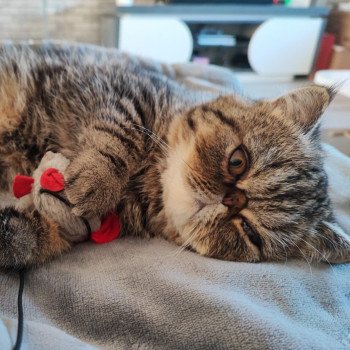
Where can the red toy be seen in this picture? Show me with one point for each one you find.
(51, 181)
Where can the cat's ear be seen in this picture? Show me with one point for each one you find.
(330, 244)
(304, 106)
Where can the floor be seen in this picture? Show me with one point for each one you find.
(336, 120)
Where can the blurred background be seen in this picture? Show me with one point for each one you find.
(73, 20)
(272, 45)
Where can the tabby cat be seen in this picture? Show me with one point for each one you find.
(227, 177)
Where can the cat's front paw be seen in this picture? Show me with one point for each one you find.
(92, 186)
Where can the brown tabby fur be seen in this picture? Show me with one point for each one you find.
(143, 144)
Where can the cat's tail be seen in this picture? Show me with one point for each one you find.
(27, 238)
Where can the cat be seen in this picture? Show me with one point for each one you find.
(225, 176)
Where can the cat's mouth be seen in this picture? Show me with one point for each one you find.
(200, 205)
(207, 209)
(203, 209)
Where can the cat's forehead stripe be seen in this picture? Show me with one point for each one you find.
(190, 119)
(221, 116)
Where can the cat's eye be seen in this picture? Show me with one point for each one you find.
(238, 162)
(251, 233)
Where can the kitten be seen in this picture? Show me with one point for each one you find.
(229, 178)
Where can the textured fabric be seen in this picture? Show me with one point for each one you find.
(145, 294)
(138, 294)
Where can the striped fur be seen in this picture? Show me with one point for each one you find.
(143, 144)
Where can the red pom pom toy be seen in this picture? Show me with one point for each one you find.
(45, 190)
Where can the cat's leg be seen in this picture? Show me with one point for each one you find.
(27, 238)
(96, 178)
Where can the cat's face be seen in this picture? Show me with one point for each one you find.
(245, 181)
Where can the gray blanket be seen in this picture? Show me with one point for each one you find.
(135, 294)
(138, 294)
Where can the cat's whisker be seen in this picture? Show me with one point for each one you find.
(185, 244)
(285, 253)
(322, 255)
(273, 238)
(327, 239)
(158, 140)
(152, 135)
(308, 262)
(189, 240)
(155, 140)
(282, 244)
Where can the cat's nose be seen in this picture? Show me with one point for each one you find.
(235, 199)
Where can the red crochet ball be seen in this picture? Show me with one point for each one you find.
(109, 230)
(51, 179)
(22, 185)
